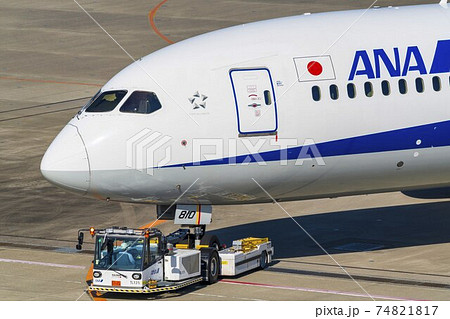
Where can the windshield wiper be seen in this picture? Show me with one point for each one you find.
(119, 273)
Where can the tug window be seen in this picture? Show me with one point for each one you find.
(351, 90)
(334, 92)
(402, 86)
(419, 85)
(141, 102)
(316, 93)
(106, 101)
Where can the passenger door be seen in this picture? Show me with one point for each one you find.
(256, 107)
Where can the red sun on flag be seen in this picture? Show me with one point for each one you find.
(315, 68)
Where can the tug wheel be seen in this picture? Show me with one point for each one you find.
(213, 268)
(210, 267)
(210, 241)
(263, 260)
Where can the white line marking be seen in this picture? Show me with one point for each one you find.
(322, 291)
(40, 263)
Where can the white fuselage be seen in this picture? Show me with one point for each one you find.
(239, 109)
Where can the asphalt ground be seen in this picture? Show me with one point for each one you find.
(54, 57)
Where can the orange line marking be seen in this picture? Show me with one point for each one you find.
(151, 17)
(47, 81)
(153, 224)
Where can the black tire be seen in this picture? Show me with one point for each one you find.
(211, 241)
(263, 260)
(210, 265)
(213, 268)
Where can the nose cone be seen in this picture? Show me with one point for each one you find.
(66, 162)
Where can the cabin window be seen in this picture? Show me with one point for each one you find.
(437, 83)
(402, 86)
(316, 93)
(351, 90)
(334, 92)
(267, 97)
(368, 88)
(385, 88)
(106, 101)
(141, 102)
(419, 85)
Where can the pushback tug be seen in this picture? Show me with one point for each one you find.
(145, 261)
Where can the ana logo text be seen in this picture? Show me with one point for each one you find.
(396, 64)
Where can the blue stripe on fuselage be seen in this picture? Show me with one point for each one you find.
(429, 135)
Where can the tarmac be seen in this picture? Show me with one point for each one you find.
(54, 57)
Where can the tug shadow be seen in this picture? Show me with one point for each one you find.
(349, 231)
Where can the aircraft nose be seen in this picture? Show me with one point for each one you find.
(66, 162)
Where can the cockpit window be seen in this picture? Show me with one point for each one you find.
(89, 102)
(141, 102)
(106, 101)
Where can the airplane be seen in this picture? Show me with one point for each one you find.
(313, 106)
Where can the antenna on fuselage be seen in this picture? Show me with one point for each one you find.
(444, 3)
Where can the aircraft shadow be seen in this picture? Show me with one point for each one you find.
(349, 231)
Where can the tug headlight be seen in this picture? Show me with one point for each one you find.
(136, 276)
(97, 274)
